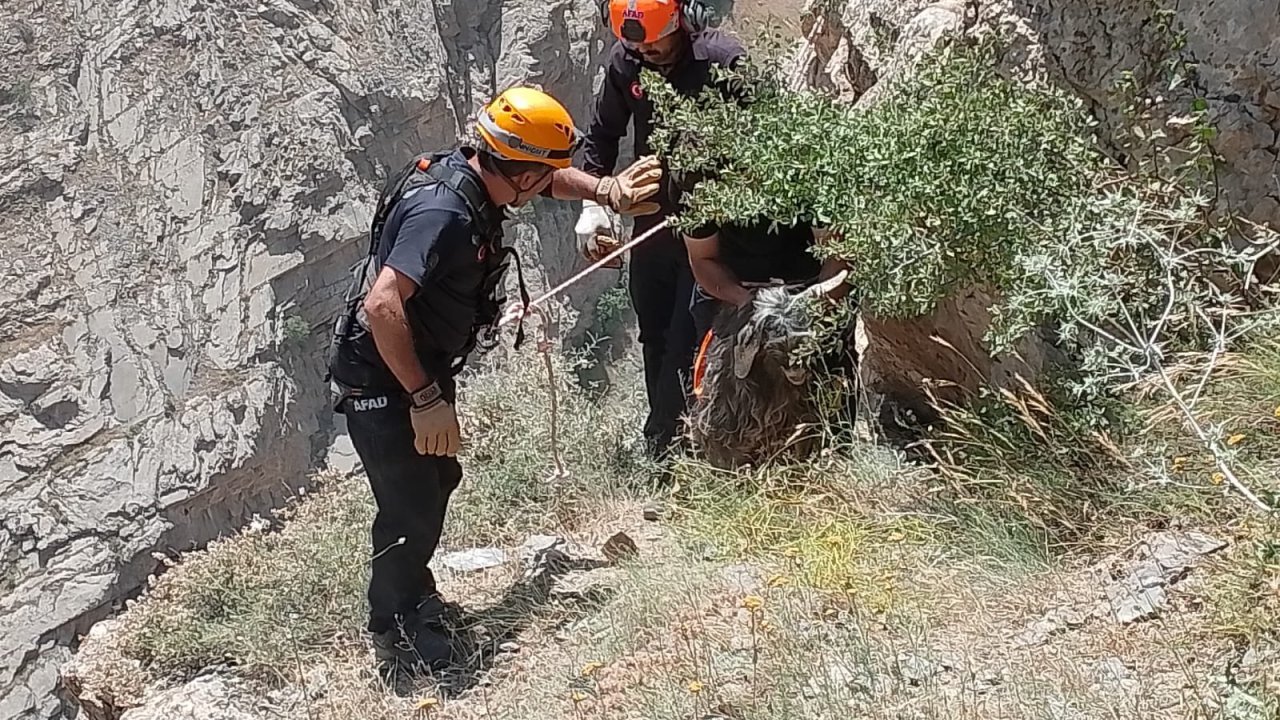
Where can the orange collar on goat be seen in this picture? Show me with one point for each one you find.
(700, 364)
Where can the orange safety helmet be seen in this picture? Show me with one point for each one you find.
(524, 123)
(642, 21)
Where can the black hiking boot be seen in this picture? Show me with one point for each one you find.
(414, 648)
(422, 641)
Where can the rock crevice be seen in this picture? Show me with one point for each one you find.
(183, 186)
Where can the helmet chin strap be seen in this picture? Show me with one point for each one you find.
(514, 187)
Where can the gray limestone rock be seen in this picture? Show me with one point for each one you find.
(1056, 621)
(211, 697)
(1176, 552)
(1112, 674)
(475, 560)
(619, 547)
(589, 586)
(1131, 601)
(917, 670)
(543, 551)
(1141, 592)
(187, 180)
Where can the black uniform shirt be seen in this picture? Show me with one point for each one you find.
(621, 99)
(429, 237)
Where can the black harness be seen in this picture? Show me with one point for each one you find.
(423, 171)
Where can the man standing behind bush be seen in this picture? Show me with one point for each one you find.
(673, 38)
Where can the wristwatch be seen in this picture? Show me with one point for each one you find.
(426, 397)
(604, 188)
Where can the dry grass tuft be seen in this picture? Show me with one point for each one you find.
(854, 585)
(260, 601)
(508, 464)
(272, 603)
(832, 525)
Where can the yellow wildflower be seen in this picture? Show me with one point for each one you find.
(578, 697)
(427, 703)
(1235, 439)
(753, 602)
(1179, 463)
(1277, 412)
(1217, 478)
(695, 687)
(896, 536)
(590, 668)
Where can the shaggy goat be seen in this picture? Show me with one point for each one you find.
(753, 396)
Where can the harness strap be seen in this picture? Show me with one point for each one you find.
(478, 204)
(425, 170)
(524, 298)
(472, 195)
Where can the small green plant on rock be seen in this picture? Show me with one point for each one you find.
(611, 307)
(17, 93)
(293, 329)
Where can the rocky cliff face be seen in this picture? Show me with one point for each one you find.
(855, 50)
(1089, 45)
(1235, 46)
(183, 185)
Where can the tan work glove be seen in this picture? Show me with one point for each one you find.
(435, 424)
(596, 236)
(624, 191)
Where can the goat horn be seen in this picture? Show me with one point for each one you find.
(826, 286)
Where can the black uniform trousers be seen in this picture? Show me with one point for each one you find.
(412, 493)
(661, 284)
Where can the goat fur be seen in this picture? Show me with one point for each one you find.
(753, 398)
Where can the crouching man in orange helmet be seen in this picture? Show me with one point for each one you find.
(422, 299)
(674, 38)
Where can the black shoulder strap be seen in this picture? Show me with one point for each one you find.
(487, 224)
(428, 169)
(483, 213)
(409, 175)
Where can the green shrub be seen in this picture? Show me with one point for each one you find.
(960, 177)
(611, 309)
(293, 329)
(17, 93)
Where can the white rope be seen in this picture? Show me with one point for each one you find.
(513, 312)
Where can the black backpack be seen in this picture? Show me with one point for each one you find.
(424, 170)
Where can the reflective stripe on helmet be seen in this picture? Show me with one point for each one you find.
(518, 143)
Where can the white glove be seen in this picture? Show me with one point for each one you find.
(596, 234)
